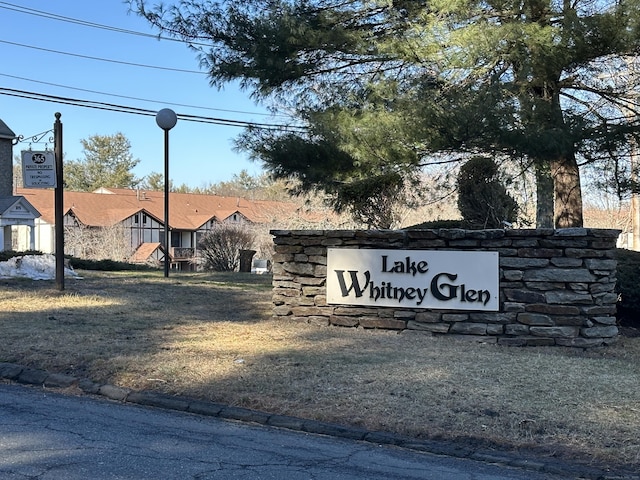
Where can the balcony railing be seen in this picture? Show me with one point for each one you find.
(178, 253)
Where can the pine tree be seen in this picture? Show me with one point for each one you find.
(396, 85)
(108, 163)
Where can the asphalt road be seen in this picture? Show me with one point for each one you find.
(46, 435)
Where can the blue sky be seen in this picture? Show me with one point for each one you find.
(199, 153)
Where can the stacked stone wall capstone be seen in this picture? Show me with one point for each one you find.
(557, 287)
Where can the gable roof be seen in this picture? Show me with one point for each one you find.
(24, 208)
(6, 203)
(6, 132)
(144, 251)
(187, 211)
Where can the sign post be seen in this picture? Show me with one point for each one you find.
(59, 203)
(44, 170)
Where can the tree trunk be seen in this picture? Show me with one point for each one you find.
(568, 193)
(544, 196)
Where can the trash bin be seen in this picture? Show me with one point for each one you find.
(246, 256)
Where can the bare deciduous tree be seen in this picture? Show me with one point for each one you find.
(220, 247)
(100, 243)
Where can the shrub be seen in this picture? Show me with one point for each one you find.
(105, 265)
(483, 199)
(627, 287)
(437, 224)
(80, 263)
(7, 254)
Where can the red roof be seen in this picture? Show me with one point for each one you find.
(144, 251)
(187, 211)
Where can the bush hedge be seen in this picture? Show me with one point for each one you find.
(7, 254)
(82, 264)
(627, 285)
(106, 265)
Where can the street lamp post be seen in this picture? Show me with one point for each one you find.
(166, 120)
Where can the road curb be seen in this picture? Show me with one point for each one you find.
(29, 376)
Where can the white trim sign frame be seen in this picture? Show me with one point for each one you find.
(38, 169)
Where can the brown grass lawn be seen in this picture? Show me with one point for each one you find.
(212, 336)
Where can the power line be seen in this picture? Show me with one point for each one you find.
(115, 107)
(145, 112)
(85, 23)
(102, 59)
(18, 8)
(139, 99)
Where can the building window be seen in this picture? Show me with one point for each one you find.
(136, 219)
(144, 218)
(175, 239)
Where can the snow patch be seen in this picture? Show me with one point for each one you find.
(36, 267)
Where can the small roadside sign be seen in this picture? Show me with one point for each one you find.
(38, 169)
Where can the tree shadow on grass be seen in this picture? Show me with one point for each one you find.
(102, 316)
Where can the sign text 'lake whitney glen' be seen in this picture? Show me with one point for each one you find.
(434, 279)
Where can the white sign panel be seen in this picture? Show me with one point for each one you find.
(38, 169)
(434, 279)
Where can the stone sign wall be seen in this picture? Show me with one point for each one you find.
(556, 287)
